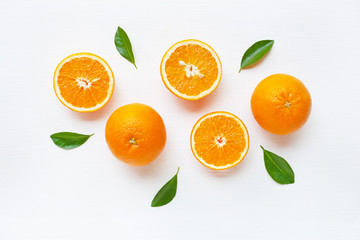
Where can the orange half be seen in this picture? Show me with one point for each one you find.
(191, 69)
(219, 140)
(83, 82)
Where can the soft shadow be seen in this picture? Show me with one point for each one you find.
(282, 140)
(103, 112)
(153, 169)
(230, 171)
(197, 105)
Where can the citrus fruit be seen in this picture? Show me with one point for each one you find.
(83, 82)
(135, 134)
(281, 104)
(219, 140)
(191, 69)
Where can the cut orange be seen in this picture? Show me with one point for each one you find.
(219, 140)
(191, 69)
(83, 82)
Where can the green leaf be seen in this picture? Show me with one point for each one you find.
(166, 193)
(123, 45)
(278, 168)
(69, 140)
(256, 52)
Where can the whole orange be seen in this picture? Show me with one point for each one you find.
(281, 104)
(135, 134)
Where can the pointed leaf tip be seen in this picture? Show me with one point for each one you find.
(254, 53)
(69, 140)
(167, 193)
(278, 168)
(123, 45)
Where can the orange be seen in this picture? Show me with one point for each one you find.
(281, 104)
(83, 82)
(219, 140)
(191, 69)
(135, 134)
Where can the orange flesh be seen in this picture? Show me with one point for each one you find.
(216, 131)
(198, 57)
(94, 80)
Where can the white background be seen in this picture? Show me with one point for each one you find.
(85, 193)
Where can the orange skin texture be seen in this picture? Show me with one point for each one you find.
(140, 123)
(281, 104)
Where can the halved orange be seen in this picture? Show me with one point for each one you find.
(83, 82)
(219, 140)
(191, 69)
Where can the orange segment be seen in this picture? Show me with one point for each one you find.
(83, 82)
(219, 140)
(191, 69)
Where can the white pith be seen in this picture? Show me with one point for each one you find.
(213, 115)
(191, 70)
(220, 141)
(81, 82)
